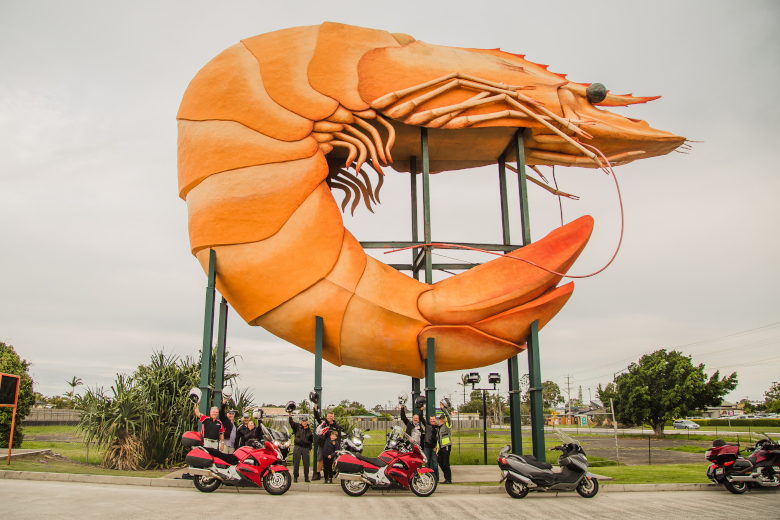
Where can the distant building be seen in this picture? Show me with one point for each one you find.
(726, 409)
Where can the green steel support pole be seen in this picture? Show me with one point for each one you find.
(208, 335)
(426, 204)
(219, 375)
(535, 390)
(318, 338)
(415, 394)
(430, 379)
(504, 198)
(415, 232)
(430, 362)
(415, 237)
(523, 185)
(515, 419)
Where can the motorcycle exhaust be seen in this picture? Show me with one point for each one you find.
(201, 472)
(528, 482)
(347, 476)
(758, 479)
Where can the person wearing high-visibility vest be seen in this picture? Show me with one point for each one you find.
(445, 441)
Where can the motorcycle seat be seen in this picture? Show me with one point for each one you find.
(531, 460)
(379, 463)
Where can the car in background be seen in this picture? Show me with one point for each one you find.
(685, 425)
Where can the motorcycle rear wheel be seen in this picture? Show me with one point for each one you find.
(735, 487)
(206, 484)
(516, 489)
(277, 483)
(423, 484)
(587, 488)
(354, 488)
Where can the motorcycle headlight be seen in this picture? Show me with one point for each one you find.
(287, 444)
(357, 442)
(276, 443)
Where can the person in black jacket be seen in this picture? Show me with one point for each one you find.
(329, 454)
(332, 425)
(303, 441)
(247, 432)
(414, 428)
(430, 444)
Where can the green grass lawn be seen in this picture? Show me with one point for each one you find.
(661, 474)
(687, 448)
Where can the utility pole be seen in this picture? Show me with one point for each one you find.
(568, 394)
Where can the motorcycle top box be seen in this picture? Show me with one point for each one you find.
(191, 439)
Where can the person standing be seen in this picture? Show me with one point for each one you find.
(430, 444)
(445, 443)
(302, 450)
(231, 431)
(414, 428)
(242, 429)
(329, 453)
(332, 425)
(211, 428)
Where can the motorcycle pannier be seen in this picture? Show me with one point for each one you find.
(191, 439)
(199, 459)
(348, 467)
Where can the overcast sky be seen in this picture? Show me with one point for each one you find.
(95, 263)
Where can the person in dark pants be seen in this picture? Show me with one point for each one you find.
(331, 423)
(445, 444)
(303, 441)
(328, 454)
(231, 431)
(430, 444)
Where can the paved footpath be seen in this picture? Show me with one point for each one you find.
(20, 499)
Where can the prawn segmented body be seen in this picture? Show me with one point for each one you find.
(274, 125)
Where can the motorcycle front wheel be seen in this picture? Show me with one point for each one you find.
(423, 484)
(735, 487)
(588, 487)
(354, 488)
(206, 484)
(277, 483)
(516, 489)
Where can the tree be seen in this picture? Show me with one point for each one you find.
(464, 384)
(662, 386)
(551, 395)
(73, 383)
(11, 363)
(772, 398)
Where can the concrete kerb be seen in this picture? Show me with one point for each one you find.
(335, 488)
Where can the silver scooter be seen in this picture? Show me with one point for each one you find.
(523, 473)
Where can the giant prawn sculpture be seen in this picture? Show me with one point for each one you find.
(271, 125)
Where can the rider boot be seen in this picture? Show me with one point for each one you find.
(316, 476)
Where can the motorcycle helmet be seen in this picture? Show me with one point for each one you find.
(446, 403)
(258, 413)
(314, 397)
(420, 402)
(290, 408)
(402, 398)
(194, 395)
(227, 392)
(322, 429)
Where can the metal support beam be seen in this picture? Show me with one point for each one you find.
(390, 244)
(219, 374)
(440, 267)
(430, 379)
(523, 186)
(415, 233)
(504, 198)
(208, 335)
(426, 171)
(318, 338)
(535, 383)
(515, 419)
(415, 394)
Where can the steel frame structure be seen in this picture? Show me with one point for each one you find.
(421, 260)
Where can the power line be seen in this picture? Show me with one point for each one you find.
(679, 346)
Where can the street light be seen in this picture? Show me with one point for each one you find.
(474, 378)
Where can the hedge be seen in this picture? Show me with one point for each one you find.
(737, 422)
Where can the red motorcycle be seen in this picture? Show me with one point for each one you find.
(399, 466)
(258, 464)
(760, 469)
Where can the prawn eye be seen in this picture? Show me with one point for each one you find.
(596, 93)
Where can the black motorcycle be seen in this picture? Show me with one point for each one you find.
(353, 441)
(524, 473)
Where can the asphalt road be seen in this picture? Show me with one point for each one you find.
(20, 499)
